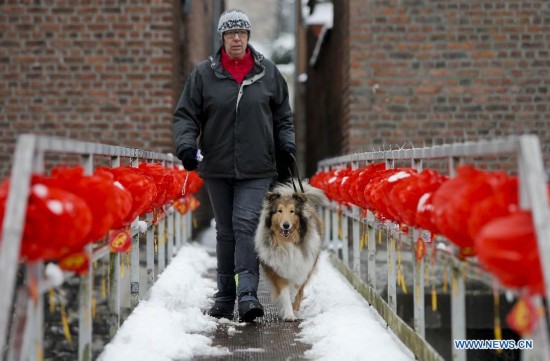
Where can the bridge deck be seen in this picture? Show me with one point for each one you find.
(266, 339)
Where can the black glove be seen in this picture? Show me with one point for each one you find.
(284, 162)
(287, 154)
(188, 157)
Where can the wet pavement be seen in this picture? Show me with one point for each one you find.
(266, 339)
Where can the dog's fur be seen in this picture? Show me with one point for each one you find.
(288, 242)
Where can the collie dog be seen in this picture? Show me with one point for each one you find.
(288, 242)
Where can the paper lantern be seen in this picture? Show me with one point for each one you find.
(100, 195)
(366, 174)
(57, 222)
(454, 199)
(405, 195)
(508, 248)
(141, 187)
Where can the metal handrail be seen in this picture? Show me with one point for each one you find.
(28, 158)
(533, 196)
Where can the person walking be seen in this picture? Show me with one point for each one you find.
(235, 109)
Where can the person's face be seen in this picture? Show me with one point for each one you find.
(235, 42)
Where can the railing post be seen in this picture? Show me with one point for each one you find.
(171, 213)
(86, 289)
(371, 249)
(114, 279)
(326, 222)
(418, 272)
(390, 249)
(356, 236)
(392, 269)
(534, 196)
(12, 229)
(418, 294)
(334, 236)
(345, 237)
(178, 229)
(161, 244)
(150, 254)
(458, 310)
(134, 259)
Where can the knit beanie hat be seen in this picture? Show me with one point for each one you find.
(233, 19)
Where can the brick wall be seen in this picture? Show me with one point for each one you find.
(423, 72)
(106, 71)
(427, 71)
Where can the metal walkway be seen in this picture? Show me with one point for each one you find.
(266, 339)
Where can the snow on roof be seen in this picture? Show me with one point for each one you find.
(323, 13)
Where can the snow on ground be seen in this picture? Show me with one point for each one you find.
(336, 320)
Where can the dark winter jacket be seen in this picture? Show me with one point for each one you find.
(237, 128)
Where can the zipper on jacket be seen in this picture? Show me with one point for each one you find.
(239, 95)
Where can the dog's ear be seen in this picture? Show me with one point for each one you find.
(300, 197)
(268, 220)
(271, 196)
(303, 224)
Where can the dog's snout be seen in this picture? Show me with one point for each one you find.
(286, 225)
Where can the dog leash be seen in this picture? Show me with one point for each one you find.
(296, 175)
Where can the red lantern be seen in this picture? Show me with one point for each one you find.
(366, 174)
(141, 187)
(508, 248)
(454, 199)
(406, 194)
(502, 202)
(424, 214)
(99, 193)
(375, 193)
(57, 222)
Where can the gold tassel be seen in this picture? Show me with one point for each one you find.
(65, 323)
(194, 222)
(122, 267)
(94, 303)
(103, 287)
(398, 277)
(364, 237)
(403, 283)
(155, 242)
(445, 280)
(39, 353)
(380, 236)
(51, 294)
(434, 299)
(498, 326)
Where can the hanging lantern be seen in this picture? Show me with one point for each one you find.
(57, 222)
(508, 248)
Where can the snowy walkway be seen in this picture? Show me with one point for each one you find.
(336, 323)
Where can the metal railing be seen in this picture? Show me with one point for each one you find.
(21, 314)
(339, 234)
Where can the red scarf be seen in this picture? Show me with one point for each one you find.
(238, 68)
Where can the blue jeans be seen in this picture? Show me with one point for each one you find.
(237, 204)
